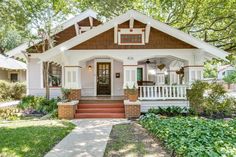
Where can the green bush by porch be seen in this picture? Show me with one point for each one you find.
(192, 137)
(31, 138)
(11, 91)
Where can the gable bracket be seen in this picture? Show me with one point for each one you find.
(131, 23)
(147, 33)
(91, 21)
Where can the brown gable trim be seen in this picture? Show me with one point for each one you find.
(157, 40)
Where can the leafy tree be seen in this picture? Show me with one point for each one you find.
(230, 78)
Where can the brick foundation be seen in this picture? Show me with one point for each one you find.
(125, 94)
(75, 94)
(67, 110)
(132, 109)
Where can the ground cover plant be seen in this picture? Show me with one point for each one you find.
(192, 136)
(31, 138)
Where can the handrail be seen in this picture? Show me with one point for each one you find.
(163, 92)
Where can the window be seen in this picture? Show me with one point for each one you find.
(54, 75)
(140, 74)
(131, 38)
(14, 77)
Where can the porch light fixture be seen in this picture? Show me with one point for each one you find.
(148, 61)
(89, 67)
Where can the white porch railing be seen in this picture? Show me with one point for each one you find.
(162, 92)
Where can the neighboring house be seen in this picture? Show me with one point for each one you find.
(12, 70)
(224, 71)
(101, 59)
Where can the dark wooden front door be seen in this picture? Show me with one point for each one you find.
(104, 78)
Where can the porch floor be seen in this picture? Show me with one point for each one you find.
(102, 98)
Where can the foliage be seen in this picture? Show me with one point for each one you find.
(192, 137)
(40, 104)
(9, 113)
(131, 89)
(210, 70)
(169, 111)
(65, 93)
(196, 95)
(31, 138)
(11, 91)
(210, 99)
(231, 78)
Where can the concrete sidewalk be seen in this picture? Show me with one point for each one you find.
(88, 139)
(9, 104)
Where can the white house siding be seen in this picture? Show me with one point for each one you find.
(35, 80)
(88, 78)
(118, 82)
(145, 105)
(3, 74)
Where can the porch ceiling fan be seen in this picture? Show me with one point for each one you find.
(148, 61)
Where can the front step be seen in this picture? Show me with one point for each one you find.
(100, 110)
(99, 115)
(104, 105)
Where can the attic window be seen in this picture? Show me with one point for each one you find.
(131, 37)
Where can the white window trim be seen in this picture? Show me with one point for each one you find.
(128, 31)
(14, 72)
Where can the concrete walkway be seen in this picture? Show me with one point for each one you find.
(88, 139)
(9, 104)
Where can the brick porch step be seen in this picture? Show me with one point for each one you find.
(104, 105)
(99, 115)
(100, 110)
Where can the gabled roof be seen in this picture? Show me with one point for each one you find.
(12, 64)
(142, 18)
(88, 13)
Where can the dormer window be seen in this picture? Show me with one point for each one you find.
(131, 36)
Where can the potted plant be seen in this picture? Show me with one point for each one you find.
(132, 93)
(65, 94)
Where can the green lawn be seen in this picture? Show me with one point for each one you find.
(31, 138)
(194, 137)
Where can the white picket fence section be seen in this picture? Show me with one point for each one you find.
(163, 92)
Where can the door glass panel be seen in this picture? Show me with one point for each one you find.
(103, 79)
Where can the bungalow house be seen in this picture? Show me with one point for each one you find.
(99, 60)
(12, 70)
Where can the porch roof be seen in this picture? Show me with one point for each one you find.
(10, 63)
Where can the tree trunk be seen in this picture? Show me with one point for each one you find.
(46, 82)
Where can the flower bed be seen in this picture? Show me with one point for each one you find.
(190, 136)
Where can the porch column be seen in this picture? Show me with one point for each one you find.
(72, 80)
(174, 78)
(193, 73)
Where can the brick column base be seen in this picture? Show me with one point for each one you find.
(126, 94)
(132, 109)
(75, 94)
(66, 110)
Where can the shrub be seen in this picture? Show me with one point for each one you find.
(40, 104)
(11, 91)
(5, 92)
(9, 113)
(18, 90)
(210, 99)
(196, 95)
(191, 136)
(169, 111)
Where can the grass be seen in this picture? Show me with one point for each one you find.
(31, 138)
(122, 140)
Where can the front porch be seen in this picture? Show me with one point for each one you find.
(99, 82)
